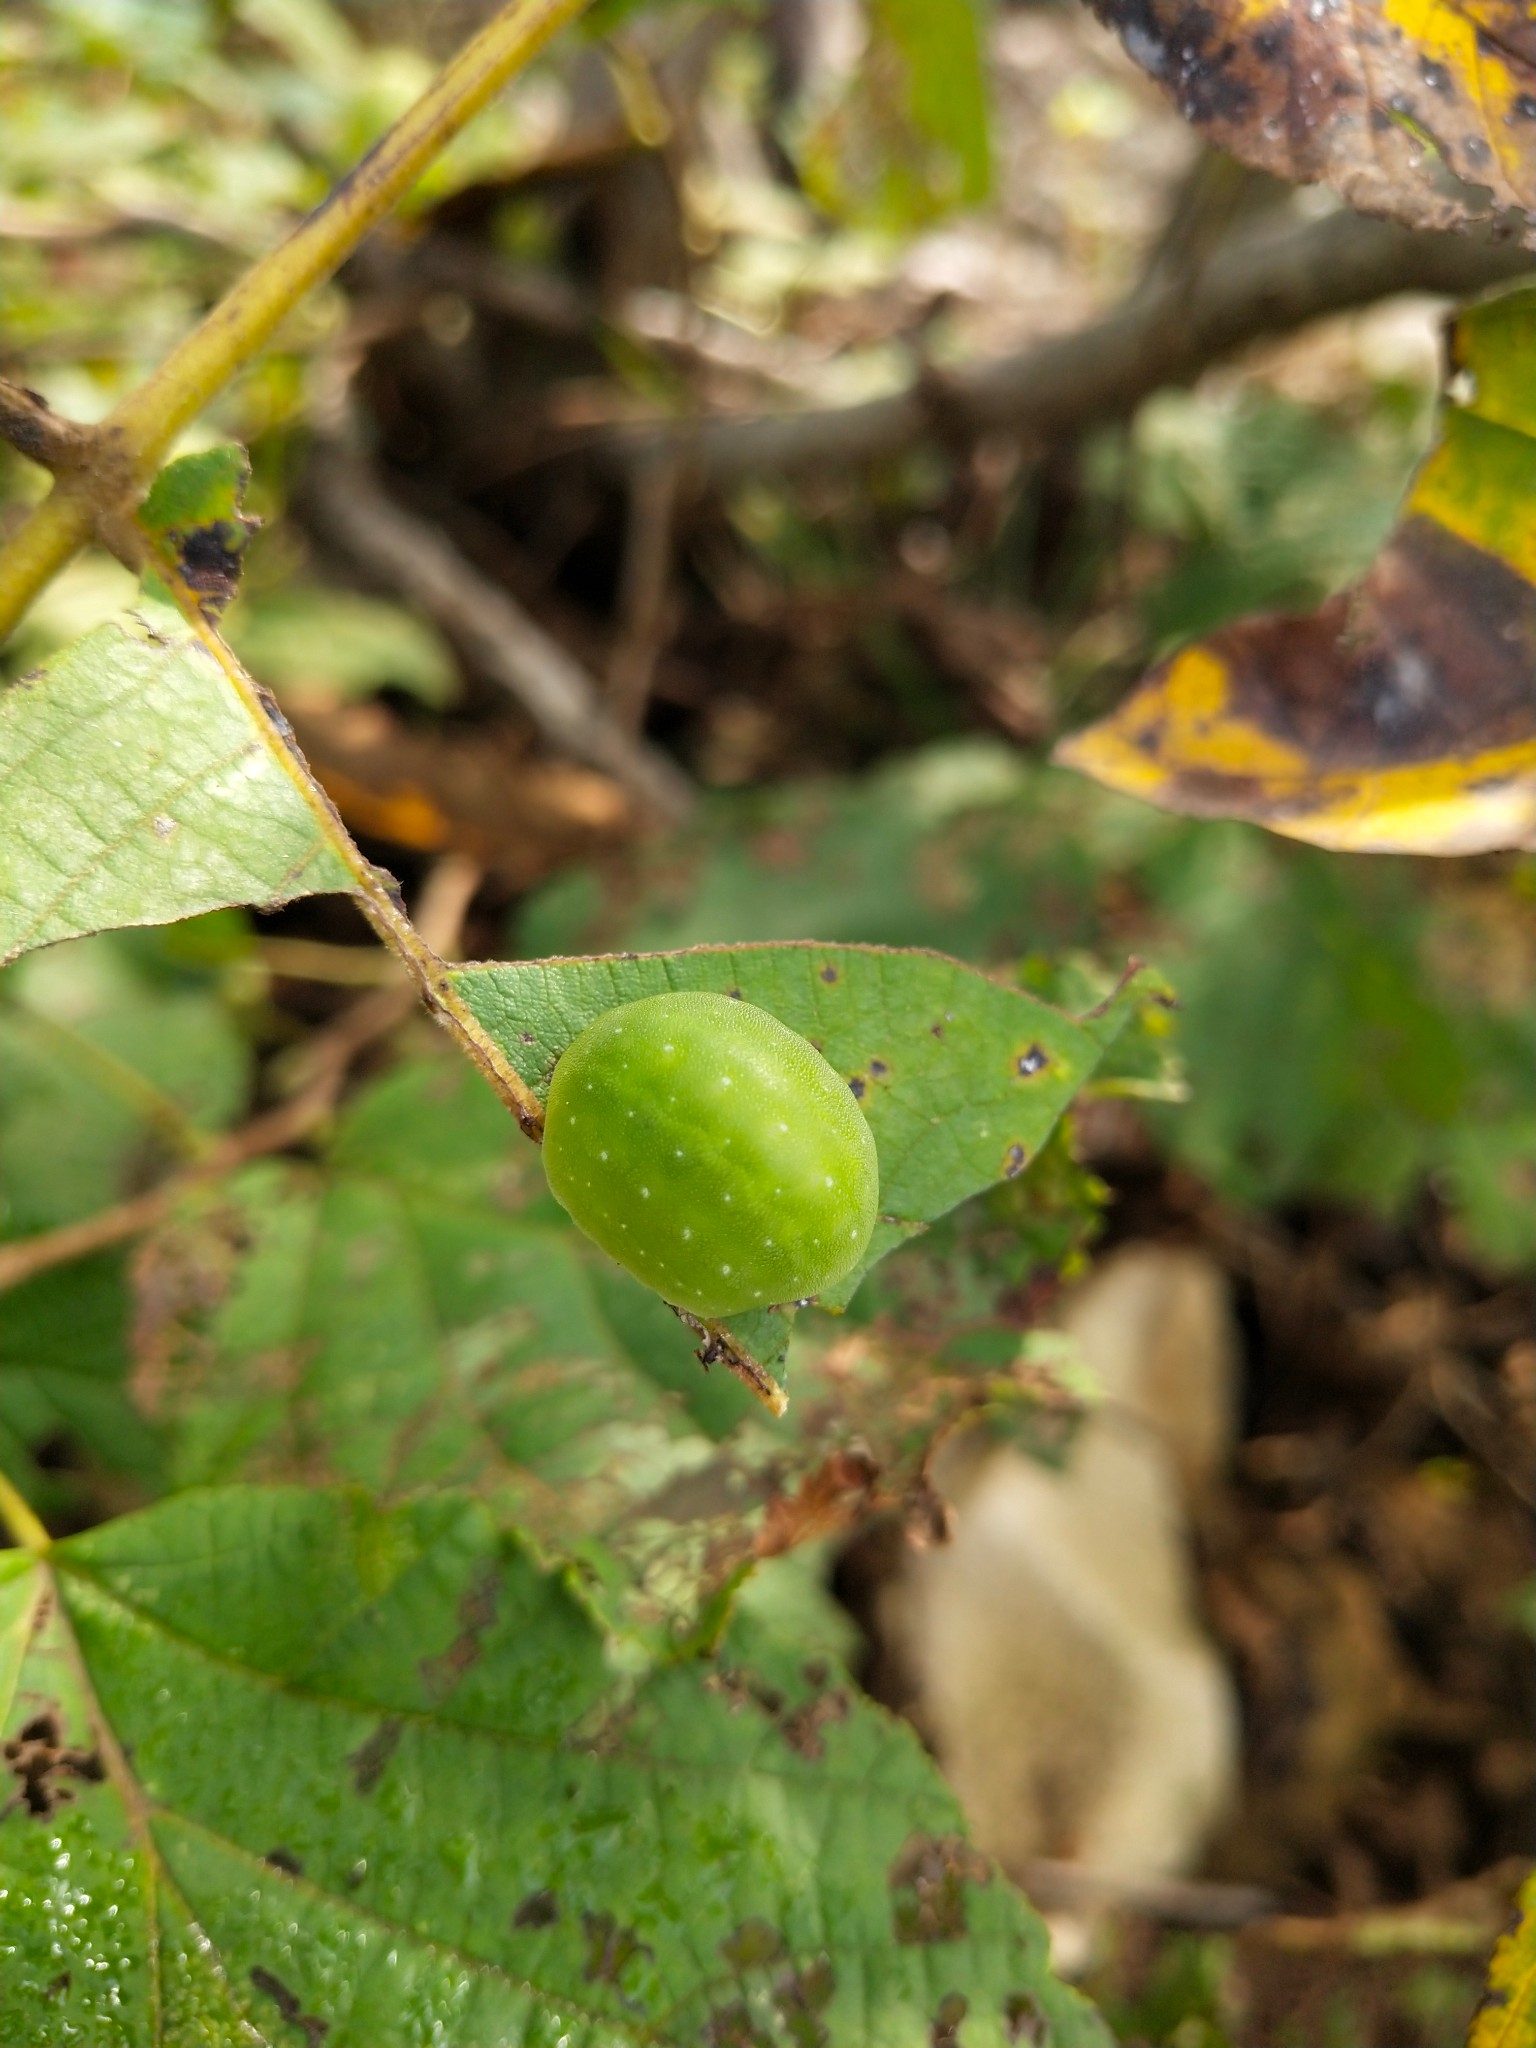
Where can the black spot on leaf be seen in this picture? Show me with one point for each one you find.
(753, 1945)
(802, 1729)
(732, 2026)
(41, 1760)
(273, 1987)
(284, 1859)
(609, 1948)
(1025, 2021)
(1015, 1159)
(476, 1612)
(858, 1087)
(1033, 1060)
(209, 558)
(539, 1909)
(371, 1759)
(829, 973)
(928, 1881)
(952, 2009)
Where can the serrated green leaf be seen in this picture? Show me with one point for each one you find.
(370, 1777)
(135, 789)
(961, 1077)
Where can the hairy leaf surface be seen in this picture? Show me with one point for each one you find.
(301, 1766)
(135, 789)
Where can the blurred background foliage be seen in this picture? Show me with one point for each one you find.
(698, 213)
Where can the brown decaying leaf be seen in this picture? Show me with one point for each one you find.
(1419, 110)
(1401, 716)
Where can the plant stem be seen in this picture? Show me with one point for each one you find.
(376, 893)
(19, 1522)
(41, 546)
(130, 443)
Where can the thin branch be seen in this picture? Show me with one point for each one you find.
(35, 430)
(643, 588)
(496, 633)
(19, 1522)
(131, 442)
(377, 896)
(1175, 1901)
(1259, 286)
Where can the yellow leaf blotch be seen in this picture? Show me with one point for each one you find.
(1507, 2016)
(1401, 715)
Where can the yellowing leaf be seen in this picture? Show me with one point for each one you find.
(1507, 2016)
(1417, 109)
(1401, 716)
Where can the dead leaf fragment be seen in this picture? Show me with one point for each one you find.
(1401, 716)
(1420, 110)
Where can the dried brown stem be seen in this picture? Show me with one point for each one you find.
(35, 430)
(1259, 286)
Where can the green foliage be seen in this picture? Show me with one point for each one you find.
(374, 1774)
(189, 807)
(1346, 1034)
(909, 137)
(1271, 503)
(308, 642)
(961, 1079)
(415, 1310)
(197, 490)
(116, 1063)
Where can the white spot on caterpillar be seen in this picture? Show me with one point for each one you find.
(725, 1269)
(602, 1155)
(667, 1048)
(687, 1233)
(827, 1178)
(783, 1127)
(725, 1080)
(646, 1192)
